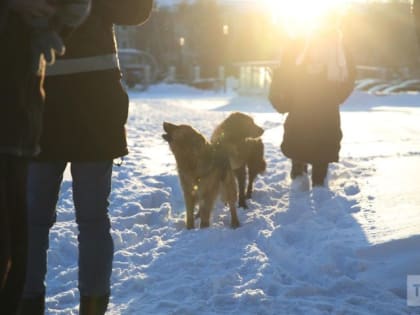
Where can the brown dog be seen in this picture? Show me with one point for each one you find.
(239, 136)
(204, 172)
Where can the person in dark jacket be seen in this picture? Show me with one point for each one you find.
(28, 39)
(319, 76)
(84, 125)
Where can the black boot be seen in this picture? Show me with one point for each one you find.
(93, 305)
(32, 306)
(319, 174)
(298, 169)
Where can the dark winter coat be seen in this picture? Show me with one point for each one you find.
(86, 112)
(312, 131)
(21, 101)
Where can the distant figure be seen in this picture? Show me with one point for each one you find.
(29, 37)
(317, 75)
(84, 124)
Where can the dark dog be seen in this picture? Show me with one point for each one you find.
(204, 172)
(239, 136)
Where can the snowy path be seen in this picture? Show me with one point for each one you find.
(343, 251)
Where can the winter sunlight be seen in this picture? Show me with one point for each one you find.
(305, 15)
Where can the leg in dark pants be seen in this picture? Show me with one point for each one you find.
(13, 251)
(91, 189)
(44, 180)
(298, 168)
(319, 173)
(5, 259)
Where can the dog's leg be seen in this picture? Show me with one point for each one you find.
(231, 197)
(204, 211)
(206, 207)
(252, 174)
(190, 201)
(234, 223)
(255, 167)
(209, 189)
(240, 174)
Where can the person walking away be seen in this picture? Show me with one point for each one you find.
(84, 125)
(318, 76)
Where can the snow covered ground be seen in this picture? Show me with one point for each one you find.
(343, 250)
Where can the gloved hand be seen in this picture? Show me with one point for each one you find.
(45, 43)
(47, 31)
(70, 14)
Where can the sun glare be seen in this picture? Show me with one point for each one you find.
(303, 15)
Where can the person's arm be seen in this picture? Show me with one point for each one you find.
(280, 93)
(58, 15)
(24, 8)
(31, 7)
(69, 15)
(48, 31)
(125, 12)
(345, 88)
(47, 20)
(415, 10)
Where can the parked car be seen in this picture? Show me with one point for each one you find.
(405, 86)
(366, 84)
(138, 67)
(378, 88)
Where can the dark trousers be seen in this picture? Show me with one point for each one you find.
(319, 171)
(13, 232)
(91, 189)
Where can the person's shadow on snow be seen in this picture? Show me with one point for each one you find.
(332, 255)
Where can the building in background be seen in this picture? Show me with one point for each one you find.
(208, 34)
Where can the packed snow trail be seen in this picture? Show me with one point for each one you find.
(343, 250)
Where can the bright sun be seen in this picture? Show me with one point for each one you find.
(302, 15)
